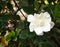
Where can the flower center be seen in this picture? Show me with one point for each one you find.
(39, 23)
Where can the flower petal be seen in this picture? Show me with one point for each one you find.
(38, 31)
(31, 27)
(36, 14)
(52, 24)
(30, 18)
(46, 14)
(46, 27)
(47, 17)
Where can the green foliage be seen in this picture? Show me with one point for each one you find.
(1, 45)
(57, 11)
(5, 17)
(10, 36)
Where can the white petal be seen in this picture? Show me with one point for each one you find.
(36, 14)
(48, 20)
(41, 14)
(47, 17)
(52, 24)
(46, 14)
(30, 18)
(46, 27)
(38, 31)
(31, 27)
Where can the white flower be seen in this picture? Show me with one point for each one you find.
(40, 23)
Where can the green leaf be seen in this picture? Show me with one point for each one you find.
(20, 25)
(15, 38)
(10, 35)
(23, 34)
(17, 32)
(5, 17)
(38, 39)
(36, 5)
(46, 44)
(27, 34)
(9, 6)
(57, 11)
(28, 9)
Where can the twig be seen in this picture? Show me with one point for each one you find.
(18, 8)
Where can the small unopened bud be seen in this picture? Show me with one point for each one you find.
(46, 2)
(15, 8)
(21, 14)
(12, 2)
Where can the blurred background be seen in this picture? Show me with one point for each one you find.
(14, 32)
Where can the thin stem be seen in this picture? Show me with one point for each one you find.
(18, 8)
